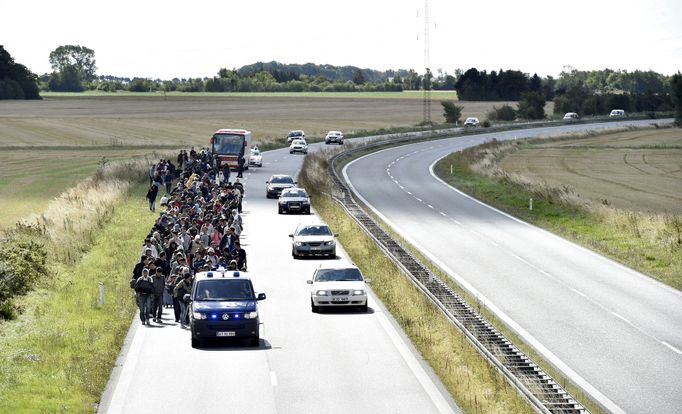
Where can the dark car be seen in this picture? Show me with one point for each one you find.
(224, 305)
(277, 183)
(293, 200)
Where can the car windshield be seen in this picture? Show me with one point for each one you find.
(298, 142)
(314, 231)
(282, 180)
(295, 133)
(223, 290)
(338, 275)
(228, 143)
(295, 193)
(255, 152)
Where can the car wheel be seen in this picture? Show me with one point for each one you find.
(363, 308)
(313, 308)
(293, 254)
(255, 341)
(279, 211)
(291, 152)
(196, 343)
(332, 255)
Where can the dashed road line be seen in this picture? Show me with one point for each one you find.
(443, 214)
(419, 199)
(430, 206)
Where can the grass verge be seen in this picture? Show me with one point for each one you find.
(648, 243)
(58, 356)
(475, 385)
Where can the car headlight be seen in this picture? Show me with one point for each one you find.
(321, 293)
(306, 202)
(198, 315)
(358, 292)
(329, 243)
(250, 315)
(270, 188)
(298, 243)
(281, 201)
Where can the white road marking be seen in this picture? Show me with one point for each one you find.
(430, 206)
(475, 232)
(620, 317)
(120, 393)
(443, 214)
(579, 292)
(545, 273)
(409, 193)
(456, 222)
(401, 187)
(674, 349)
(419, 199)
(273, 378)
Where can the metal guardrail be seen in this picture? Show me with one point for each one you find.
(543, 393)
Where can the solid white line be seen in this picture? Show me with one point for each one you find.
(672, 347)
(579, 292)
(418, 371)
(545, 273)
(120, 394)
(619, 316)
(273, 378)
(456, 222)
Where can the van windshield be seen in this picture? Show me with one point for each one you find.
(228, 143)
(223, 290)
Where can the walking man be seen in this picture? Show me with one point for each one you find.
(143, 289)
(151, 196)
(159, 282)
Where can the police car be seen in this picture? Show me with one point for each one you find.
(224, 305)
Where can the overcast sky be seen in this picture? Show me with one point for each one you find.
(166, 39)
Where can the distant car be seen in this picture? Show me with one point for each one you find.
(471, 121)
(277, 183)
(256, 158)
(313, 240)
(293, 200)
(298, 145)
(571, 116)
(617, 113)
(334, 137)
(295, 134)
(223, 305)
(338, 286)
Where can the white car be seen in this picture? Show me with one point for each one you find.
(471, 121)
(571, 116)
(338, 286)
(295, 134)
(617, 113)
(335, 137)
(298, 145)
(256, 158)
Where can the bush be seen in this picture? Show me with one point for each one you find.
(503, 113)
(676, 96)
(532, 106)
(451, 112)
(22, 265)
(486, 124)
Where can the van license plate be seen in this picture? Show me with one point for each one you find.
(229, 333)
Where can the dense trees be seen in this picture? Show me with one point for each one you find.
(505, 85)
(451, 112)
(72, 65)
(676, 94)
(16, 81)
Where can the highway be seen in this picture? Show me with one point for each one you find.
(333, 362)
(613, 331)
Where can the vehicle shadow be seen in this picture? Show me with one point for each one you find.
(342, 310)
(235, 344)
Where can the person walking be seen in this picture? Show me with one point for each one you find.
(151, 196)
(159, 282)
(144, 287)
(183, 288)
(240, 165)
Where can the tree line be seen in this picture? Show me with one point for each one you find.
(16, 81)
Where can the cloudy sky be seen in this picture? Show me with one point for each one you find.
(166, 39)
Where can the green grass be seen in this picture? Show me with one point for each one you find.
(376, 95)
(58, 355)
(625, 237)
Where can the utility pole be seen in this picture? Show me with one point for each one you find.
(426, 83)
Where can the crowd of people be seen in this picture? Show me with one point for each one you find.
(198, 230)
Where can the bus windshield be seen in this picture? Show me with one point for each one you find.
(228, 143)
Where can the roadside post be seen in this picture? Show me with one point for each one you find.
(101, 293)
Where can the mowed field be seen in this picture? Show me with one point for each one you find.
(633, 170)
(51, 144)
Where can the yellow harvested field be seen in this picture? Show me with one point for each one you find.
(633, 170)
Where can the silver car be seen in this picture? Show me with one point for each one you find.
(298, 145)
(313, 240)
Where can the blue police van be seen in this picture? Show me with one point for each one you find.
(224, 305)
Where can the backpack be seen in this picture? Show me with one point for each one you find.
(144, 286)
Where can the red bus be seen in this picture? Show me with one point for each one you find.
(228, 144)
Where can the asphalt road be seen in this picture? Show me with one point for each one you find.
(615, 332)
(335, 362)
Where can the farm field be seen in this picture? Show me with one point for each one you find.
(633, 170)
(51, 144)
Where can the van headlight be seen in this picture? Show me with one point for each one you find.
(250, 315)
(198, 315)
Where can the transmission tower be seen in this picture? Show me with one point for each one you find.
(426, 83)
